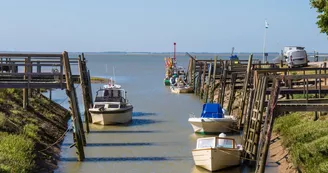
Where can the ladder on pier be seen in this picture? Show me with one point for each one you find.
(265, 139)
(252, 125)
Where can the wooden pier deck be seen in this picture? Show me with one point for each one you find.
(267, 90)
(50, 71)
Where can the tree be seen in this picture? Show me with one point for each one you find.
(322, 9)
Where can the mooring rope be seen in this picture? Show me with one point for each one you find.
(58, 140)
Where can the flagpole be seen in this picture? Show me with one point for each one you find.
(265, 33)
(263, 60)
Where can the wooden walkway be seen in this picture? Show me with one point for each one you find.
(50, 71)
(267, 90)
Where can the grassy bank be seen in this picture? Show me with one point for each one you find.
(26, 135)
(99, 80)
(307, 140)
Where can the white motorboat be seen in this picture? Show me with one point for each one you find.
(212, 120)
(111, 106)
(215, 153)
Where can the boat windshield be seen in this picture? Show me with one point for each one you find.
(206, 143)
(215, 142)
(110, 95)
(225, 143)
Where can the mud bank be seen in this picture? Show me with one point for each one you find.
(30, 138)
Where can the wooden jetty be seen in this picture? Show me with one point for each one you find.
(50, 71)
(266, 91)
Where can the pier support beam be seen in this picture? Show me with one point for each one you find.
(78, 132)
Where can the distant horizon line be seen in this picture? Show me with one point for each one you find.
(127, 52)
(124, 52)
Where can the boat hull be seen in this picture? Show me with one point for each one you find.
(212, 125)
(167, 82)
(181, 90)
(214, 159)
(111, 117)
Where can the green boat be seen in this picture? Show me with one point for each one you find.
(167, 82)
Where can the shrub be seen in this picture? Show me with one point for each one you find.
(16, 153)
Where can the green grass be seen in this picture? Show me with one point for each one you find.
(31, 130)
(302, 96)
(98, 80)
(306, 139)
(16, 112)
(2, 119)
(16, 153)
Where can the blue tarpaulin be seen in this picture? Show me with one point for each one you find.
(212, 110)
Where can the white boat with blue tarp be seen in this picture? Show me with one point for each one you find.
(212, 120)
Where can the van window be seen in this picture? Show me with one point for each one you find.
(299, 54)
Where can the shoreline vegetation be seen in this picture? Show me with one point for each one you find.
(30, 139)
(303, 142)
(99, 80)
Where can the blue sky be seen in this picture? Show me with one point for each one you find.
(153, 25)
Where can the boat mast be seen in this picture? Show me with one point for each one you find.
(174, 56)
(114, 75)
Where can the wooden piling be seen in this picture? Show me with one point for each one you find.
(269, 126)
(245, 91)
(77, 122)
(25, 90)
(208, 83)
(83, 82)
(213, 81)
(232, 92)
(223, 82)
(202, 89)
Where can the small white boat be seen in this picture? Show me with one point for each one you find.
(181, 89)
(215, 153)
(111, 106)
(212, 120)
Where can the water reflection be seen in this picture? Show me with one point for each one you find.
(142, 114)
(116, 144)
(125, 131)
(123, 159)
(141, 122)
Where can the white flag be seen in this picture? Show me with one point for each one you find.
(266, 24)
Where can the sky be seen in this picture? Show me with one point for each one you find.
(153, 25)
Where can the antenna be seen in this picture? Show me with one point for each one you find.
(114, 75)
(109, 80)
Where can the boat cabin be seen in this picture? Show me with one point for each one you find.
(216, 142)
(110, 98)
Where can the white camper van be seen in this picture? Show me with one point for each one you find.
(295, 56)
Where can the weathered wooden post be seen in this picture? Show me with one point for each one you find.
(244, 96)
(30, 70)
(78, 131)
(208, 83)
(38, 70)
(214, 79)
(25, 90)
(203, 80)
(232, 92)
(272, 113)
(85, 91)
